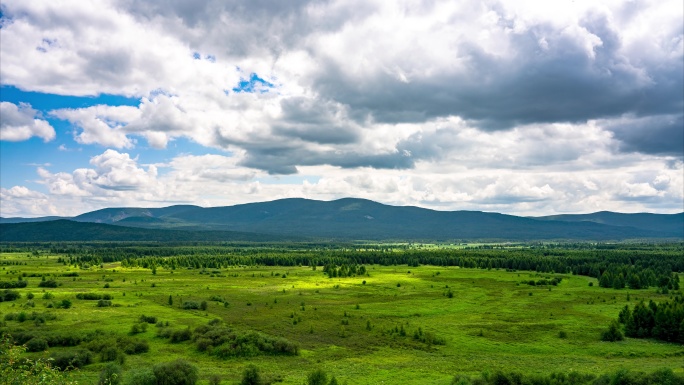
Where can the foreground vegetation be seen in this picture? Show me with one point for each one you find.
(361, 314)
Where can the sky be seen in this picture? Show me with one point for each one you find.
(520, 107)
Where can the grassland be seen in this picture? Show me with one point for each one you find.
(346, 325)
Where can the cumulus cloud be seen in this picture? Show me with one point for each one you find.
(19, 200)
(516, 106)
(19, 122)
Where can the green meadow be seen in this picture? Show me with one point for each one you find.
(367, 329)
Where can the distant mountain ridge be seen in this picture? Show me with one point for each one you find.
(360, 219)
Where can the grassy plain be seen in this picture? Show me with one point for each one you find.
(343, 325)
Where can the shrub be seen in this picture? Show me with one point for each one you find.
(12, 284)
(110, 375)
(48, 283)
(140, 377)
(138, 328)
(112, 353)
(251, 376)
(36, 345)
(178, 372)
(104, 303)
(9, 295)
(613, 333)
(29, 295)
(317, 377)
(63, 304)
(191, 305)
(133, 345)
(48, 295)
(181, 335)
(149, 320)
(222, 341)
(73, 360)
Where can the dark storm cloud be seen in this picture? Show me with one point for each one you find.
(313, 121)
(560, 83)
(660, 135)
(283, 157)
(284, 160)
(239, 28)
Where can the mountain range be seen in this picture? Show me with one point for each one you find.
(342, 219)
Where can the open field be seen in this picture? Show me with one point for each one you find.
(350, 327)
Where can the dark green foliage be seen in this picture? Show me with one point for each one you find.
(191, 305)
(138, 328)
(662, 321)
(48, 283)
(93, 296)
(624, 315)
(12, 284)
(613, 333)
(317, 377)
(178, 372)
(112, 353)
(251, 376)
(36, 345)
(63, 304)
(103, 303)
(203, 305)
(428, 337)
(181, 335)
(111, 374)
(128, 345)
(72, 359)
(218, 339)
(620, 377)
(9, 295)
(148, 319)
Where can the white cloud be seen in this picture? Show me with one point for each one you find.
(521, 107)
(19, 200)
(18, 122)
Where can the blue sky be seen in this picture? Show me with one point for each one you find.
(527, 108)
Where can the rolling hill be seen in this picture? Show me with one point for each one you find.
(359, 219)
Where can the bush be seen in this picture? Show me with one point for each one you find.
(63, 304)
(181, 335)
(133, 345)
(112, 353)
(9, 295)
(317, 377)
(222, 341)
(140, 377)
(36, 345)
(48, 283)
(191, 305)
(12, 284)
(138, 328)
(251, 376)
(613, 333)
(104, 303)
(73, 360)
(149, 320)
(110, 375)
(178, 372)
